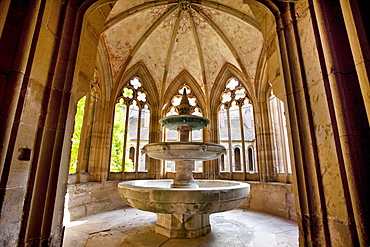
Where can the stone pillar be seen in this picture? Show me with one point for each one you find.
(264, 138)
(44, 180)
(345, 82)
(326, 119)
(4, 7)
(100, 141)
(22, 25)
(88, 136)
(20, 32)
(356, 19)
(154, 166)
(244, 163)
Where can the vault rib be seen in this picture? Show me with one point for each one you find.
(143, 38)
(200, 52)
(223, 37)
(237, 14)
(116, 19)
(170, 50)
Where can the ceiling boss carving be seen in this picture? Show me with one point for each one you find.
(185, 5)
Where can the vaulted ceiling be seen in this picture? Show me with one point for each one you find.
(173, 37)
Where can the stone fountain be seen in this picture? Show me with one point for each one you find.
(183, 205)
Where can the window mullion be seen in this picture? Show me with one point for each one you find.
(242, 139)
(138, 144)
(125, 140)
(230, 143)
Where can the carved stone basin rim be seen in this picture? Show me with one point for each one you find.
(184, 150)
(156, 196)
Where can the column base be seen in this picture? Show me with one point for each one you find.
(182, 226)
(184, 184)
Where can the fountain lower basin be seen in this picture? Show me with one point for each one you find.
(183, 205)
(183, 212)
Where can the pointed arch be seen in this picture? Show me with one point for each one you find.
(104, 71)
(186, 78)
(228, 71)
(141, 71)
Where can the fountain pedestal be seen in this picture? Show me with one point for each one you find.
(183, 225)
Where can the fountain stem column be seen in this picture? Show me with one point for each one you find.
(184, 132)
(184, 175)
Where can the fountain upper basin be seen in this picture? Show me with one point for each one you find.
(184, 150)
(195, 122)
(156, 196)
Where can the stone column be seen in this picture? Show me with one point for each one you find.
(18, 58)
(184, 175)
(89, 125)
(44, 182)
(357, 23)
(101, 140)
(20, 32)
(320, 103)
(154, 166)
(264, 137)
(311, 207)
(345, 82)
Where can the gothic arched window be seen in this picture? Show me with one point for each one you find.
(131, 128)
(280, 139)
(236, 126)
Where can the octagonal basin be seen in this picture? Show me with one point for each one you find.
(184, 150)
(156, 196)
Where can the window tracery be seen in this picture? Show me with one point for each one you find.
(130, 129)
(236, 128)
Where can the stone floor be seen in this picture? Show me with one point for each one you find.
(130, 227)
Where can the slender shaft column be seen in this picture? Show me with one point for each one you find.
(244, 163)
(90, 123)
(357, 24)
(310, 207)
(51, 132)
(17, 45)
(352, 133)
(230, 144)
(184, 175)
(13, 82)
(4, 7)
(184, 168)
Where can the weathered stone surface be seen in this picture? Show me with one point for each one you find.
(272, 198)
(183, 226)
(90, 198)
(183, 212)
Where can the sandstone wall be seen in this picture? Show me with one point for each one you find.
(90, 198)
(271, 198)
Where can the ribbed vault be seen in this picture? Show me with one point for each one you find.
(169, 37)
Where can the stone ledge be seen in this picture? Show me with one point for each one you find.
(271, 198)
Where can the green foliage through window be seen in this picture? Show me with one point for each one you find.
(77, 135)
(118, 140)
